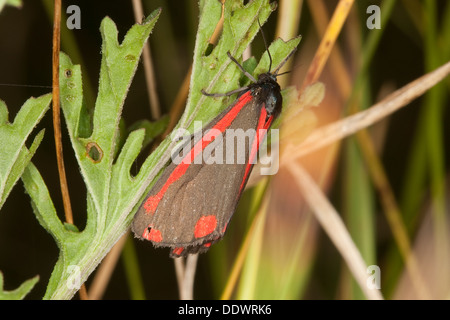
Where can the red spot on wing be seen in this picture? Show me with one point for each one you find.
(152, 202)
(152, 234)
(207, 245)
(177, 251)
(204, 226)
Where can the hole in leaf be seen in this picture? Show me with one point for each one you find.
(209, 49)
(68, 73)
(94, 152)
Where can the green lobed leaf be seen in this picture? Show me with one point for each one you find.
(111, 191)
(20, 292)
(15, 156)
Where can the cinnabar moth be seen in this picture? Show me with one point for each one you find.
(191, 204)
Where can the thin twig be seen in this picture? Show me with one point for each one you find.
(219, 26)
(333, 225)
(337, 65)
(187, 286)
(340, 129)
(179, 271)
(103, 275)
(393, 213)
(83, 292)
(327, 43)
(155, 108)
(242, 254)
(57, 111)
(178, 105)
(57, 122)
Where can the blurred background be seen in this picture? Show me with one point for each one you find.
(291, 257)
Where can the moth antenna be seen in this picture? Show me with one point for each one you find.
(227, 94)
(283, 73)
(248, 75)
(275, 72)
(265, 45)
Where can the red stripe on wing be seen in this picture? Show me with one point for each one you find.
(152, 202)
(261, 131)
